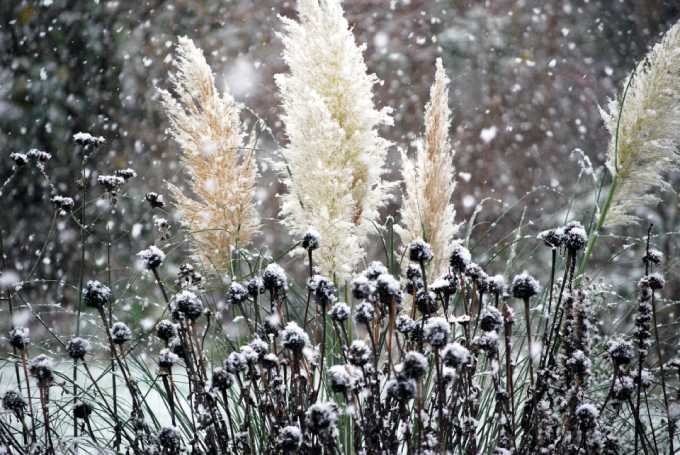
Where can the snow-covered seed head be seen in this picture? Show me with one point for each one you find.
(249, 354)
(187, 305)
(77, 348)
(274, 278)
(126, 174)
(375, 269)
(339, 312)
(289, 439)
(475, 272)
(460, 258)
(621, 352)
(41, 368)
(155, 200)
(645, 380)
(413, 273)
(82, 410)
(170, 440)
(19, 338)
(524, 286)
(653, 257)
(553, 238)
(437, 332)
(88, 140)
(270, 361)
(487, 342)
(63, 203)
(167, 359)
(321, 417)
(364, 313)
(152, 257)
(405, 324)
(587, 415)
(310, 241)
(255, 286)
(166, 330)
(426, 302)
(358, 353)
(235, 363)
(420, 251)
(401, 389)
(623, 387)
(575, 237)
(579, 363)
(14, 402)
(656, 281)
(340, 378)
(294, 338)
(120, 333)
(455, 355)
(323, 289)
(387, 287)
(221, 379)
(237, 294)
(491, 319)
(38, 156)
(414, 365)
(20, 159)
(96, 295)
(111, 183)
(444, 286)
(260, 347)
(362, 287)
(187, 276)
(496, 284)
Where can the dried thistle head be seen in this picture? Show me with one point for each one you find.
(429, 180)
(217, 207)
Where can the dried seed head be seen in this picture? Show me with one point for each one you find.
(187, 305)
(82, 410)
(623, 387)
(40, 368)
(77, 348)
(321, 418)
(426, 302)
(14, 402)
(420, 251)
(455, 355)
(157, 201)
(221, 379)
(170, 440)
(38, 156)
(401, 389)
(167, 359)
(362, 287)
(19, 338)
(414, 365)
(656, 281)
(235, 363)
(460, 258)
(63, 203)
(437, 332)
(323, 289)
(340, 379)
(364, 313)
(587, 415)
(339, 312)
(553, 238)
(120, 333)
(20, 159)
(96, 295)
(294, 338)
(496, 284)
(524, 286)
(237, 294)
(621, 352)
(255, 286)
(260, 347)
(165, 330)
(289, 438)
(359, 353)
(152, 257)
(310, 241)
(405, 324)
(188, 276)
(375, 269)
(88, 140)
(653, 257)
(445, 286)
(274, 278)
(487, 342)
(575, 237)
(491, 319)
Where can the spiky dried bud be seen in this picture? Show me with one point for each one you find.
(364, 313)
(120, 333)
(420, 251)
(165, 330)
(157, 201)
(621, 352)
(289, 438)
(187, 305)
(437, 332)
(274, 278)
(362, 287)
(294, 338)
(237, 294)
(255, 286)
(339, 312)
(40, 368)
(401, 389)
(358, 353)
(82, 410)
(321, 417)
(414, 365)
(575, 237)
(77, 348)
(19, 338)
(405, 324)
(221, 379)
(491, 319)
(460, 258)
(170, 440)
(167, 359)
(553, 238)
(524, 286)
(426, 302)
(323, 290)
(455, 355)
(96, 294)
(152, 257)
(310, 241)
(14, 402)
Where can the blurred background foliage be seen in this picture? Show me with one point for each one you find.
(527, 79)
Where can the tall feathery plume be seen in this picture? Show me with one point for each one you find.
(427, 211)
(219, 210)
(334, 159)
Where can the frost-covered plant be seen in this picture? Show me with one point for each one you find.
(334, 158)
(427, 211)
(217, 208)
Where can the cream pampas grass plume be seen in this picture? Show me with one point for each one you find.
(334, 158)
(427, 211)
(218, 209)
(645, 127)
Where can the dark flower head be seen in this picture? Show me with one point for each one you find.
(575, 237)
(13, 401)
(88, 140)
(460, 258)
(401, 389)
(82, 410)
(524, 286)
(359, 353)
(455, 355)
(20, 159)
(235, 363)
(120, 333)
(362, 287)
(414, 365)
(63, 203)
(19, 338)
(622, 389)
(405, 324)
(155, 200)
(653, 257)
(419, 251)
(187, 305)
(321, 417)
(621, 352)
(339, 312)
(496, 284)
(364, 313)
(656, 281)
(38, 155)
(445, 286)
(553, 238)
(40, 368)
(237, 294)
(413, 273)
(487, 342)
(491, 319)
(111, 183)
(310, 241)
(270, 361)
(436, 332)
(188, 276)
(274, 278)
(375, 269)
(166, 330)
(323, 290)
(255, 286)
(152, 257)
(126, 174)
(96, 295)
(426, 302)
(221, 379)
(77, 348)
(587, 415)
(289, 439)
(340, 379)
(475, 272)
(260, 347)
(387, 287)
(167, 359)
(294, 338)
(170, 440)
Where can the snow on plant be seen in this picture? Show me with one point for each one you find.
(334, 159)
